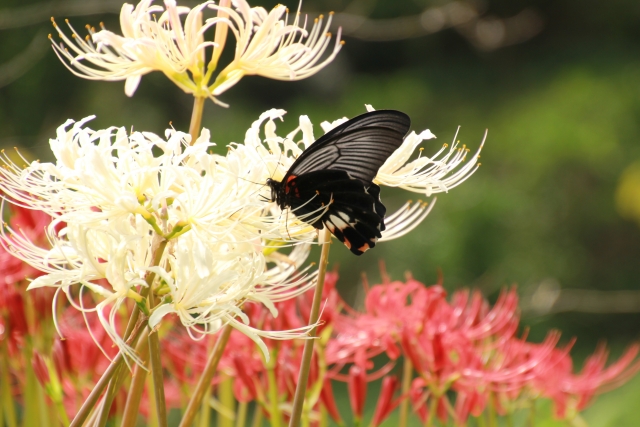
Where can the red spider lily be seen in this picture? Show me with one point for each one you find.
(465, 353)
(13, 282)
(357, 385)
(572, 393)
(328, 400)
(386, 402)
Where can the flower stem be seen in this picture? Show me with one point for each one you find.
(227, 401)
(275, 417)
(407, 374)
(109, 396)
(156, 371)
(257, 417)
(205, 379)
(303, 375)
(5, 391)
(90, 403)
(130, 415)
(196, 118)
(433, 407)
(119, 376)
(241, 414)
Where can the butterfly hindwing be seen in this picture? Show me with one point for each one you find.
(351, 210)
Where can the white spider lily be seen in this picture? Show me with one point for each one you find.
(115, 197)
(147, 44)
(266, 45)
(446, 169)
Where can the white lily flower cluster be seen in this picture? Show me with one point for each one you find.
(116, 198)
(156, 39)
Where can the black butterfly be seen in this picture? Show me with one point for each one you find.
(336, 172)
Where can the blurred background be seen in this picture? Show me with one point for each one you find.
(555, 206)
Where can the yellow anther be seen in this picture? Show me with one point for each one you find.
(332, 13)
(445, 145)
(328, 35)
(66, 20)
(342, 42)
(50, 36)
(421, 149)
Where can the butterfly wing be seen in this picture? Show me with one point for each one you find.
(351, 210)
(330, 182)
(358, 147)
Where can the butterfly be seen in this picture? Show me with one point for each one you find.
(333, 176)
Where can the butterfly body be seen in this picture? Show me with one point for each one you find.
(330, 184)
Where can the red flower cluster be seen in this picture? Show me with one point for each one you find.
(466, 356)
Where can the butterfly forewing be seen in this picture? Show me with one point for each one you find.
(359, 146)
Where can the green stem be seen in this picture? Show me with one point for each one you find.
(152, 419)
(531, 420)
(227, 401)
(92, 399)
(433, 407)
(130, 415)
(109, 396)
(120, 375)
(156, 371)
(509, 419)
(481, 421)
(303, 375)
(274, 401)
(241, 414)
(257, 417)
(204, 420)
(493, 419)
(43, 409)
(196, 118)
(205, 379)
(407, 375)
(7, 400)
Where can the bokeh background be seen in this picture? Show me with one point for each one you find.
(555, 206)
